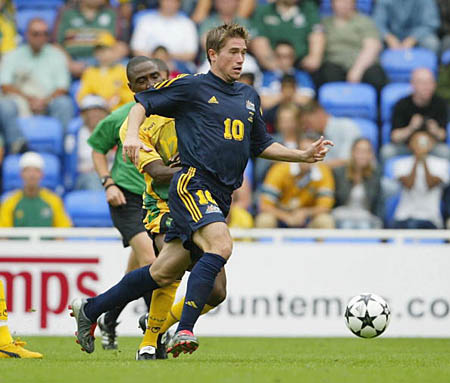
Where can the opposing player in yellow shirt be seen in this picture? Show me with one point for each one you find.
(158, 166)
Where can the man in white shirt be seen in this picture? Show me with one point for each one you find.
(422, 178)
(169, 28)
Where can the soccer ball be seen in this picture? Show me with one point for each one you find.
(367, 315)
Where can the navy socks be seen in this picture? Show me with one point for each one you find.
(199, 286)
(132, 286)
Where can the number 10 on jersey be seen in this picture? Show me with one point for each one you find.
(234, 130)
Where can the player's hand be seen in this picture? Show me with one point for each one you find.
(131, 148)
(317, 150)
(175, 161)
(115, 197)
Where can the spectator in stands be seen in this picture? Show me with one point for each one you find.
(226, 12)
(342, 131)
(176, 67)
(423, 178)
(108, 79)
(358, 194)
(13, 138)
(167, 27)
(446, 206)
(2, 155)
(288, 131)
(35, 79)
(297, 195)
(93, 109)
(244, 9)
(422, 110)
(77, 31)
(443, 85)
(8, 34)
(239, 215)
(297, 22)
(406, 23)
(285, 65)
(33, 206)
(352, 48)
(444, 31)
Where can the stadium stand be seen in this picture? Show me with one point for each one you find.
(363, 6)
(368, 130)
(93, 214)
(349, 100)
(43, 134)
(70, 156)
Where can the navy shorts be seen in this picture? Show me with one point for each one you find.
(195, 200)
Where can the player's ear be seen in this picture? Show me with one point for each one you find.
(212, 54)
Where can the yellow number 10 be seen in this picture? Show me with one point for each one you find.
(233, 130)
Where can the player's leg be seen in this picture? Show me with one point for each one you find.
(217, 296)
(172, 261)
(216, 242)
(8, 347)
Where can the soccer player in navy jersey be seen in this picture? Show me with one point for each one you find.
(219, 127)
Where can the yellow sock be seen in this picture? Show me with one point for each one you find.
(5, 336)
(175, 315)
(162, 300)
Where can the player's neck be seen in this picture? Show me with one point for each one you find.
(220, 75)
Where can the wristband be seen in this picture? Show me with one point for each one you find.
(106, 188)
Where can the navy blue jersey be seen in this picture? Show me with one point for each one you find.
(219, 125)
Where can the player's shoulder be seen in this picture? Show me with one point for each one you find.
(249, 91)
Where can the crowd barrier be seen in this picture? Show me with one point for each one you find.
(280, 282)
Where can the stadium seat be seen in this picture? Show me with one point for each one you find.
(445, 59)
(368, 130)
(390, 203)
(23, 17)
(70, 157)
(88, 208)
(350, 100)
(37, 4)
(52, 173)
(363, 6)
(386, 132)
(73, 90)
(390, 94)
(448, 134)
(43, 133)
(398, 64)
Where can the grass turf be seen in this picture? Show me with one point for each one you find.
(238, 360)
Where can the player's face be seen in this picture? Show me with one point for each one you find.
(145, 76)
(228, 63)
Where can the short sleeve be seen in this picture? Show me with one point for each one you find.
(272, 187)
(259, 137)
(167, 97)
(105, 135)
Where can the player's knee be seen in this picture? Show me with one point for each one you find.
(162, 277)
(223, 247)
(266, 221)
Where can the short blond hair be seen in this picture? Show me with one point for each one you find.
(218, 37)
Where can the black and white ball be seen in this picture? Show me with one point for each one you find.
(367, 315)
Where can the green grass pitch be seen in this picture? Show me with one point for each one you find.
(235, 360)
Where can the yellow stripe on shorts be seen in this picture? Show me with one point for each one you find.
(186, 197)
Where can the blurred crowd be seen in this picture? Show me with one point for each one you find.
(62, 70)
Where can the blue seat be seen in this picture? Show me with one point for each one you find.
(37, 4)
(363, 6)
(23, 17)
(70, 156)
(398, 64)
(52, 172)
(445, 59)
(390, 203)
(43, 133)
(390, 94)
(73, 91)
(368, 130)
(350, 100)
(88, 208)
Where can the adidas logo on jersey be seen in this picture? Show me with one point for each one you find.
(213, 100)
(192, 304)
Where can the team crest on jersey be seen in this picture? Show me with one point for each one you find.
(212, 209)
(250, 105)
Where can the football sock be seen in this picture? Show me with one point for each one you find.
(162, 301)
(112, 315)
(132, 286)
(199, 287)
(5, 336)
(175, 314)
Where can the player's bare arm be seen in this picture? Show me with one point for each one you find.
(114, 195)
(160, 173)
(316, 152)
(132, 144)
